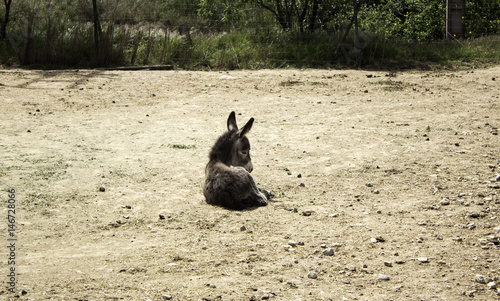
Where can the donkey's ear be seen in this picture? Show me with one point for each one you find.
(231, 122)
(246, 128)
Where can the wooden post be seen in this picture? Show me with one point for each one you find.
(455, 11)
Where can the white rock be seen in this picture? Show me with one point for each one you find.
(328, 252)
(423, 259)
(383, 277)
(312, 275)
(492, 285)
(292, 243)
(480, 279)
(227, 77)
(445, 202)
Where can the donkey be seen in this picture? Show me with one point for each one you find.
(228, 182)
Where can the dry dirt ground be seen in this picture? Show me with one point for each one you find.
(386, 185)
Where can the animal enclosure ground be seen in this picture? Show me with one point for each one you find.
(386, 185)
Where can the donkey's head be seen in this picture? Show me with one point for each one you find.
(233, 147)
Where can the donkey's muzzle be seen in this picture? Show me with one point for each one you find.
(249, 167)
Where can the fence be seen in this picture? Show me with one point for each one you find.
(227, 34)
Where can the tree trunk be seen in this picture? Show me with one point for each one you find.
(3, 26)
(97, 26)
(313, 16)
(137, 41)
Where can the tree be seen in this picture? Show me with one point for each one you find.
(293, 14)
(5, 20)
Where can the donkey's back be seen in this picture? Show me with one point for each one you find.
(228, 182)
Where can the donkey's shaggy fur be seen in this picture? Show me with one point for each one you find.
(228, 182)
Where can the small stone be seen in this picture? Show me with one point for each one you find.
(470, 293)
(312, 275)
(307, 213)
(351, 268)
(480, 279)
(369, 185)
(423, 259)
(380, 239)
(328, 252)
(388, 263)
(376, 191)
(167, 297)
(292, 243)
(497, 178)
(243, 228)
(491, 285)
(383, 277)
(445, 202)
(162, 216)
(397, 288)
(102, 189)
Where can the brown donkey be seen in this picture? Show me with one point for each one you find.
(228, 182)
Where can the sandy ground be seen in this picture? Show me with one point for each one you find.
(385, 185)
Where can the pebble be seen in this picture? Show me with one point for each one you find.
(102, 189)
(383, 277)
(480, 279)
(445, 202)
(307, 213)
(388, 263)
(491, 285)
(423, 259)
(328, 252)
(292, 243)
(312, 275)
(369, 185)
(167, 297)
(243, 228)
(497, 178)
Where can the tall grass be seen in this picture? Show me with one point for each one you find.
(239, 49)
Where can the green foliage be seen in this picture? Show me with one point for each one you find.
(412, 20)
(482, 18)
(241, 33)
